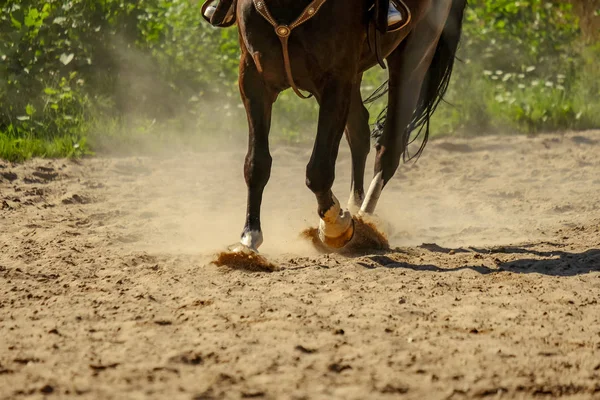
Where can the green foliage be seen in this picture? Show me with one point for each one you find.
(120, 71)
(506, 33)
(64, 64)
(524, 70)
(22, 147)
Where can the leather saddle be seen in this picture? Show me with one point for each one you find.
(225, 17)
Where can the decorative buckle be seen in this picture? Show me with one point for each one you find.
(283, 31)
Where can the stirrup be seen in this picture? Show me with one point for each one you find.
(210, 11)
(399, 15)
(394, 16)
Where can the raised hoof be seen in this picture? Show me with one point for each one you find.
(339, 241)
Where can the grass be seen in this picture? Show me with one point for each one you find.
(18, 149)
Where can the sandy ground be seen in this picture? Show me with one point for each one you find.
(107, 290)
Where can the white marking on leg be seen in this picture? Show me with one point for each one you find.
(373, 195)
(354, 202)
(252, 239)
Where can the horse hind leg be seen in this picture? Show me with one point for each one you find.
(408, 66)
(336, 227)
(359, 139)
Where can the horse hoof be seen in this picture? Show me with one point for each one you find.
(242, 249)
(339, 241)
(251, 240)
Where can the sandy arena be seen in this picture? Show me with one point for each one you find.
(107, 290)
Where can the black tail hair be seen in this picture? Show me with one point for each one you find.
(434, 86)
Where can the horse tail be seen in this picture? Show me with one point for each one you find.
(434, 85)
(437, 78)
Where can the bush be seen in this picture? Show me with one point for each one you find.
(524, 69)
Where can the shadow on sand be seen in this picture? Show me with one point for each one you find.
(552, 262)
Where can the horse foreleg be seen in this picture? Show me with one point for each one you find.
(336, 227)
(258, 101)
(408, 65)
(359, 139)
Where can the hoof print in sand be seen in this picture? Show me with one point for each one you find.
(9, 176)
(247, 261)
(367, 237)
(76, 199)
(187, 358)
(45, 174)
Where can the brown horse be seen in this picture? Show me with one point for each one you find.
(328, 55)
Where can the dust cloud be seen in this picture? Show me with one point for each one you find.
(188, 195)
(462, 192)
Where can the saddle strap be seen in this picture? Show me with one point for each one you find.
(284, 31)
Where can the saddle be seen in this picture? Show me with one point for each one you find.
(225, 16)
